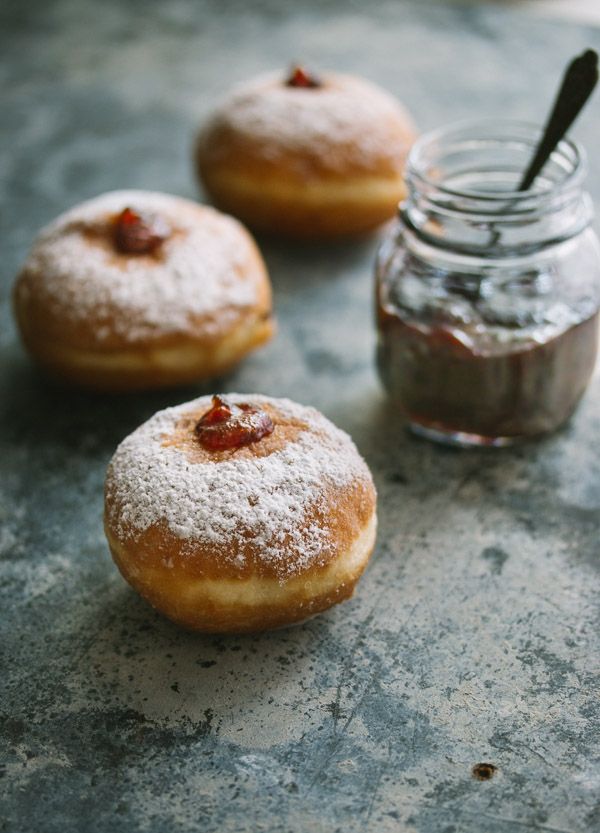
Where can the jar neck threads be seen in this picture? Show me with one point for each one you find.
(461, 190)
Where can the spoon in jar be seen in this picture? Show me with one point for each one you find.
(577, 85)
(579, 80)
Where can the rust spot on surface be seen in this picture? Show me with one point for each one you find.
(483, 772)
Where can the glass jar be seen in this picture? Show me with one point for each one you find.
(488, 297)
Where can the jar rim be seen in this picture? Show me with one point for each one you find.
(499, 130)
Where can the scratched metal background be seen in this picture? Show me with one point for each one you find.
(474, 635)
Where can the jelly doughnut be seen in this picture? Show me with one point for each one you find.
(135, 289)
(240, 513)
(305, 155)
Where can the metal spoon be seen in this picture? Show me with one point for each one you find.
(579, 80)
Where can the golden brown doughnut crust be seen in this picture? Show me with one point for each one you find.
(264, 536)
(109, 320)
(316, 162)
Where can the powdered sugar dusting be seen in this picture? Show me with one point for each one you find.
(80, 276)
(345, 111)
(228, 501)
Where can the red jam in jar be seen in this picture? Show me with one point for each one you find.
(487, 299)
(226, 427)
(138, 232)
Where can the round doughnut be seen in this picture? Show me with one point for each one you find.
(240, 514)
(319, 159)
(135, 289)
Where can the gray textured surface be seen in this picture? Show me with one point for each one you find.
(474, 634)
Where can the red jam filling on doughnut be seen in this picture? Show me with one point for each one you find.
(227, 426)
(139, 233)
(300, 77)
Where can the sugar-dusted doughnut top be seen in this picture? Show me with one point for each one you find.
(204, 272)
(343, 124)
(279, 506)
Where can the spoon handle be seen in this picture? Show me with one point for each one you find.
(578, 82)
